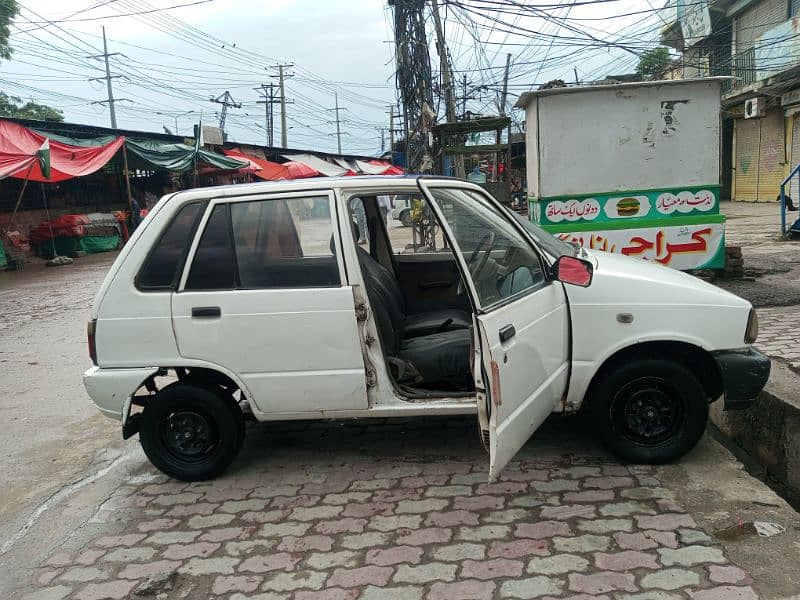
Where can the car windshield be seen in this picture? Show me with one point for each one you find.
(551, 244)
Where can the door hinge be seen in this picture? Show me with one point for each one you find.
(372, 378)
(361, 311)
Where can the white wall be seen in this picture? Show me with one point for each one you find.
(603, 140)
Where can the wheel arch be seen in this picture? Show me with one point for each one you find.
(698, 360)
(191, 373)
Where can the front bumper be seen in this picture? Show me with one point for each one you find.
(744, 375)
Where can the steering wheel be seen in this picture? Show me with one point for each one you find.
(488, 241)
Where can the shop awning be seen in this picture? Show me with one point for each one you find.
(166, 156)
(18, 146)
(180, 157)
(321, 166)
(271, 171)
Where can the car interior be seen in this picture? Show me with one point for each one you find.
(422, 312)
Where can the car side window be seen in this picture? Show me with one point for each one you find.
(501, 261)
(214, 263)
(286, 243)
(162, 267)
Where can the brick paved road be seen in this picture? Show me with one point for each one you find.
(778, 334)
(338, 512)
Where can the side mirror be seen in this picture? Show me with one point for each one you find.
(574, 271)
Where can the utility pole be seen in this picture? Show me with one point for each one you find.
(449, 97)
(268, 101)
(391, 133)
(444, 65)
(227, 101)
(282, 75)
(105, 55)
(338, 129)
(504, 97)
(382, 131)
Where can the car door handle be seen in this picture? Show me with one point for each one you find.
(205, 312)
(506, 333)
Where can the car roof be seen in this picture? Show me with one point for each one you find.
(312, 183)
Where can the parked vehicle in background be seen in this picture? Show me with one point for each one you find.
(402, 210)
(240, 299)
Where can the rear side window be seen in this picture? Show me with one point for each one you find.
(267, 244)
(164, 262)
(214, 264)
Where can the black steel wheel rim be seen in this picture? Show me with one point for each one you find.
(648, 411)
(189, 435)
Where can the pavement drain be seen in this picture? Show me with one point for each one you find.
(406, 529)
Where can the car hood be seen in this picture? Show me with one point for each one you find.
(617, 276)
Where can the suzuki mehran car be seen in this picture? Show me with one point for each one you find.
(268, 300)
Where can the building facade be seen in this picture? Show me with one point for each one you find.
(757, 42)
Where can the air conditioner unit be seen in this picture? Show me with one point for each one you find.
(754, 108)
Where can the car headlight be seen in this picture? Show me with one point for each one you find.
(751, 333)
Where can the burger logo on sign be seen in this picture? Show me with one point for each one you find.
(627, 207)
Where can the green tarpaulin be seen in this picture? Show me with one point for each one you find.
(3, 261)
(157, 155)
(91, 244)
(179, 157)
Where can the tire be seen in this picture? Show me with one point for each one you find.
(649, 411)
(405, 218)
(213, 421)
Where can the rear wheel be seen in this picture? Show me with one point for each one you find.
(191, 433)
(649, 410)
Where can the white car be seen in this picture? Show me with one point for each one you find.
(258, 298)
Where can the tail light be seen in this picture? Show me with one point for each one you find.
(91, 330)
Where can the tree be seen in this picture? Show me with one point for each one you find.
(11, 106)
(8, 10)
(653, 61)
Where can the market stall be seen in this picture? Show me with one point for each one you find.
(630, 168)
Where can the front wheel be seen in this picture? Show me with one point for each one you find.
(191, 433)
(649, 410)
(405, 218)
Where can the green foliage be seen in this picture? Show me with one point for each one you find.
(653, 61)
(11, 106)
(8, 10)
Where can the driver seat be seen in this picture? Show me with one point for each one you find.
(431, 359)
(414, 324)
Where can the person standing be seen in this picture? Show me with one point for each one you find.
(385, 205)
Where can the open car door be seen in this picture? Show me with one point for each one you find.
(522, 317)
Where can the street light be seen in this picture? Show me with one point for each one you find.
(183, 114)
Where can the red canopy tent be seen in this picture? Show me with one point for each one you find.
(273, 171)
(18, 146)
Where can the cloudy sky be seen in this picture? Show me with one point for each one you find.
(173, 58)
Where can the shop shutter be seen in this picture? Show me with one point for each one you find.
(746, 158)
(794, 8)
(759, 168)
(753, 22)
(794, 157)
(773, 155)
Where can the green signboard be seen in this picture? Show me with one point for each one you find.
(625, 209)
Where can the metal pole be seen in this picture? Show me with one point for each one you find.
(108, 83)
(391, 134)
(284, 142)
(127, 176)
(504, 97)
(338, 130)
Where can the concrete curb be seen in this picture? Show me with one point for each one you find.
(770, 429)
